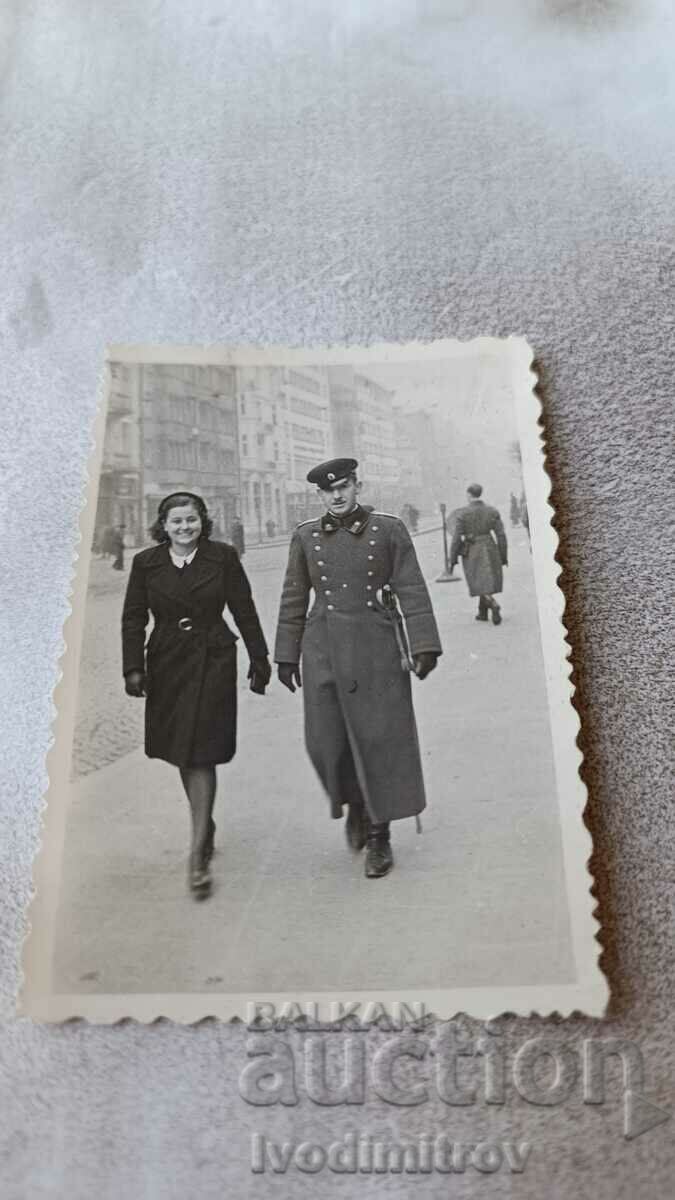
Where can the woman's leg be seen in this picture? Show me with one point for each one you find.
(200, 788)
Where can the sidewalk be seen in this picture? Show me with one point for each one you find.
(477, 891)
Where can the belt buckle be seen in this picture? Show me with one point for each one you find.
(185, 623)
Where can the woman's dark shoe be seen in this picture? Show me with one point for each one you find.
(379, 856)
(496, 613)
(199, 876)
(356, 826)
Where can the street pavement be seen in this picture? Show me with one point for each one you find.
(476, 899)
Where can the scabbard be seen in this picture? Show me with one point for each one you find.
(391, 610)
(407, 663)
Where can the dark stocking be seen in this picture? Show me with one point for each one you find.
(200, 788)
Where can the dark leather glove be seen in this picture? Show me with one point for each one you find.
(260, 673)
(134, 683)
(424, 663)
(289, 675)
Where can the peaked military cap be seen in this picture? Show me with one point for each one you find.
(328, 474)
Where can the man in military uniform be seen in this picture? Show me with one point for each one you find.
(357, 661)
(480, 539)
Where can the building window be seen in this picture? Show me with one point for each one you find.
(244, 446)
(305, 382)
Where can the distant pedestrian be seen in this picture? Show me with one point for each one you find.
(524, 515)
(237, 535)
(106, 542)
(480, 540)
(410, 517)
(515, 510)
(188, 671)
(271, 527)
(117, 547)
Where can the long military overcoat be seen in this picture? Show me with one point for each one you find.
(360, 726)
(190, 657)
(480, 539)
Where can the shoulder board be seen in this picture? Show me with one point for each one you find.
(310, 521)
(384, 514)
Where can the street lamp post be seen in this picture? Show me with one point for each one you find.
(447, 575)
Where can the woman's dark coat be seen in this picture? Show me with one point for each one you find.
(191, 706)
(480, 539)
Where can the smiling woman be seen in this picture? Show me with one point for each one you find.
(188, 671)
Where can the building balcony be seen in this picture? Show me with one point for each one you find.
(119, 405)
(116, 462)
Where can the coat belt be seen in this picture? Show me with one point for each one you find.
(188, 624)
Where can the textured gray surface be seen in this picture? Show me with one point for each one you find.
(326, 172)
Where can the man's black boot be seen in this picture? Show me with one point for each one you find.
(356, 826)
(379, 857)
(482, 614)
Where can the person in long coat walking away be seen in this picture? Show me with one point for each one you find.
(117, 545)
(357, 657)
(188, 669)
(480, 539)
(237, 536)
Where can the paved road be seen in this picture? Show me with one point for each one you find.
(476, 899)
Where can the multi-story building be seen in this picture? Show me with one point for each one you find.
(262, 453)
(307, 433)
(363, 423)
(189, 433)
(412, 482)
(120, 485)
(424, 460)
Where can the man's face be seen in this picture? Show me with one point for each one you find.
(342, 498)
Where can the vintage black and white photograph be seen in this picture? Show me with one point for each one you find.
(315, 735)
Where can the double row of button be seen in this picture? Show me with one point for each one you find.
(324, 578)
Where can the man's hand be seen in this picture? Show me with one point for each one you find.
(289, 675)
(424, 663)
(134, 683)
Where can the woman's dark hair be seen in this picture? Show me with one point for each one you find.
(177, 500)
(475, 490)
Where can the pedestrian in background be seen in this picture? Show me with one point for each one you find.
(480, 539)
(107, 541)
(117, 548)
(188, 670)
(360, 726)
(515, 510)
(237, 535)
(524, 515)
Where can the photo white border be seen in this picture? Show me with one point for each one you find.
(589, 993)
